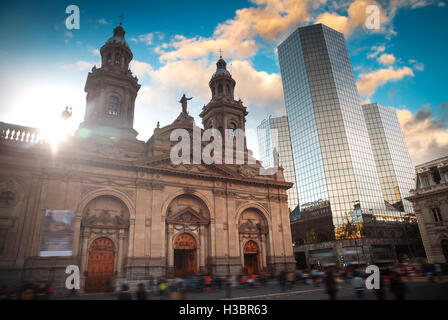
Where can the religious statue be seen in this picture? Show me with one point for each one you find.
(184, 100)
(67, 113)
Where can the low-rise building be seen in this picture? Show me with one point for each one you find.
(430, 200)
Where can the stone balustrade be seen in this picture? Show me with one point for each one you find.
(11, 133)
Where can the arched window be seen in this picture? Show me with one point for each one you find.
(232, 127)
(109, 57)
(117, 58)
(113, 107)
(220, 89)
(227, 88)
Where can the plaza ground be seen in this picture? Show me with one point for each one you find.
(418, 289)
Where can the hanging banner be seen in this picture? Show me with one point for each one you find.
(58, 233)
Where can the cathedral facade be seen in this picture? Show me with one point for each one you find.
(135, 213)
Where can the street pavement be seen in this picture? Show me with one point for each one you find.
(416, 291)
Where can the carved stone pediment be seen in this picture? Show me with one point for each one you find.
(250, 227)
(105, 218)
(187, 216)
(248, 171)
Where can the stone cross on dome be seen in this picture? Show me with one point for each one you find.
(121, 16)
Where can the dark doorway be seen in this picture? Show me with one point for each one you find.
(184, 262)
(444, 245)
(185, 255)
(251, 263)
(251, 257)
(100, 267)
(300, 258)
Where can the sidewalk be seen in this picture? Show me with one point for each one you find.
(437, 279)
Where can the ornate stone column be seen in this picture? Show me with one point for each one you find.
(202, 255)
(84, 254)
(263, 251)
(131, 237)
(76, 233)
(170, 258)
(121, 237)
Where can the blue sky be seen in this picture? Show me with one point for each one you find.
(176, 43)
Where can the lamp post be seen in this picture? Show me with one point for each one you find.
(405, 221)
(357, 252)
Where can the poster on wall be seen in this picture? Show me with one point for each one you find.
(58, 233)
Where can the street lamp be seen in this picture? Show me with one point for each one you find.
(357, 252)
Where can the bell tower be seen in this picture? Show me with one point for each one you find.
(111, 92)
(223, 111)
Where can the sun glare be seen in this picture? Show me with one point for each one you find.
(41, 107)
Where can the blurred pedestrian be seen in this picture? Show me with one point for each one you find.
(381, 291)
(330, 285)
(174, 290)
(183, 290)
(290, 280)
(141, 293)
(282, 280)
(162, 287)
(358, 285)
(228, 287)
(124, 293)
(208, 284)
(27, 292)
(315, 276)
(438, 271)
(398, 287)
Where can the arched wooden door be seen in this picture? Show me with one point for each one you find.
(100, 268)
(185, 255)
(251, 257)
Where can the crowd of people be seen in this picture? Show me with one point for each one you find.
(28, 291)
(331, 279)
(391, 281)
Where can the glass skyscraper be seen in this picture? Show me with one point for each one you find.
(391, 155)
(273, 135)
(333, 158)
(351, 164)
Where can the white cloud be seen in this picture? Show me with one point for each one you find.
(79, 66)
(102, 21)
(140, 69)
(425, 138)
(147, 38)
(68, 35)
(386, 59)
(369, 82)
(417, 65)
(355, 18)
(268, 19)
(376, 51)
(95, 52)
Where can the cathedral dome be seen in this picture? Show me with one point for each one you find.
(118, 36)
(222, 84)
(221, 69)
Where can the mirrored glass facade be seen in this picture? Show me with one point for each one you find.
(391, 155)
(333, 158)
(273, 134)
